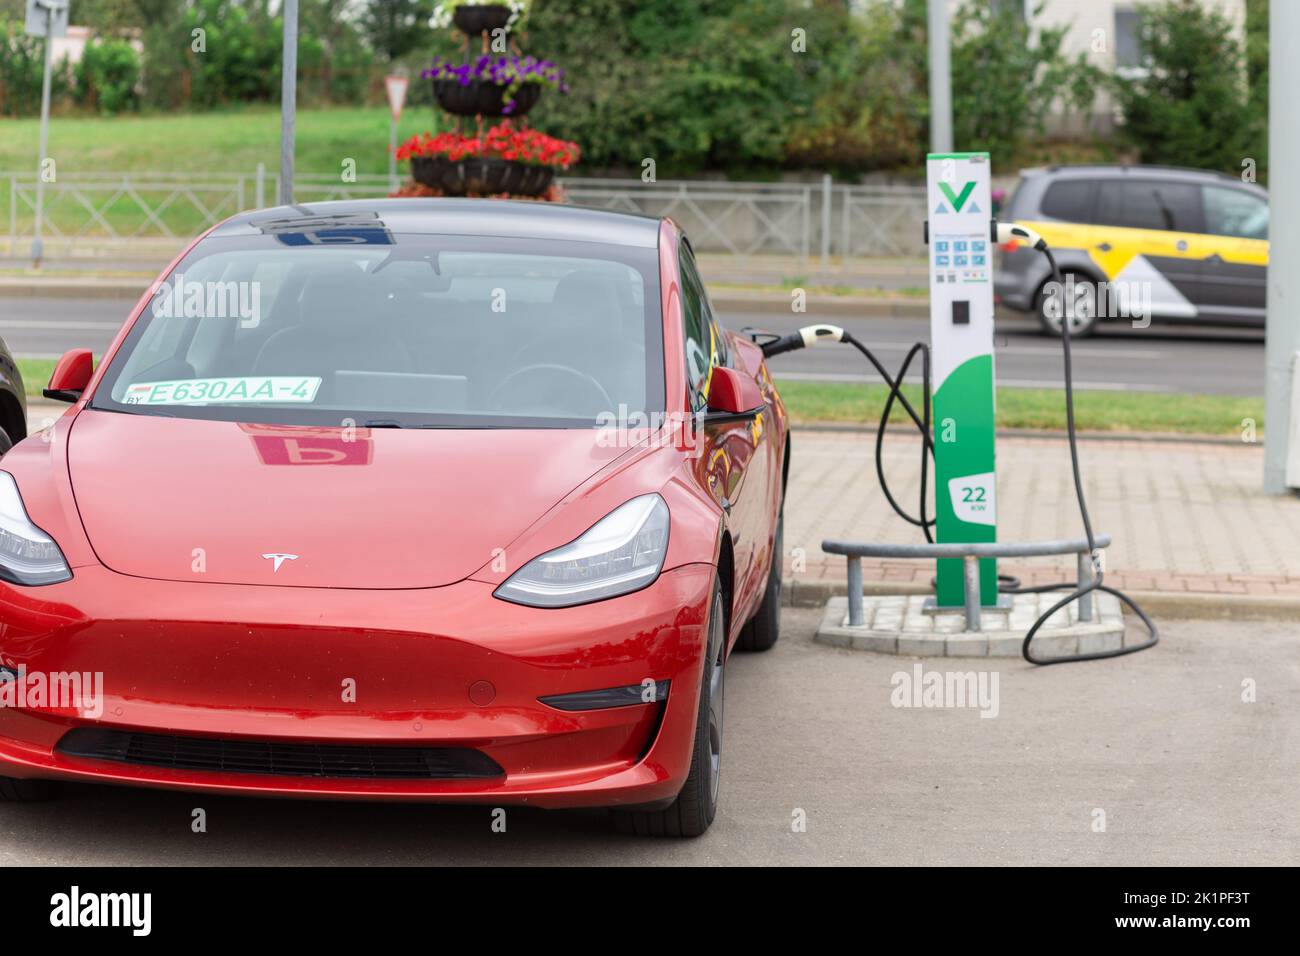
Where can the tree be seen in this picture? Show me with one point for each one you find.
(1190, 106)
(1006, 77)
(107, 75)
(396, 27)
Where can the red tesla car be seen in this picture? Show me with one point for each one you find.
(433, 500)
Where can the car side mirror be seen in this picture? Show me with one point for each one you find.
(733, 396)
(71, 376)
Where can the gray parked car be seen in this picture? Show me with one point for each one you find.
(1138, 242)
(13, 402)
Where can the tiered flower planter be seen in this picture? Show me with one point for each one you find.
(479, 98)
(508, 159)
(483, 177)
(478, 19)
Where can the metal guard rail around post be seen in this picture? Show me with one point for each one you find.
(970, 555)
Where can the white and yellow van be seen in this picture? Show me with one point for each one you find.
(1189, 245)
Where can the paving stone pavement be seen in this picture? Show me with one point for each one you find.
(900, 624)
(1184, 516)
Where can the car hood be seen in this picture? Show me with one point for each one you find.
(195, 500)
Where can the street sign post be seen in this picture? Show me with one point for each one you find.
(288, 100)
(48, 19)
(961, 346)
(396, 87)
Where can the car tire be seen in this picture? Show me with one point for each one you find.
(693, 810)
(5, 442)
(24, 791)
(1081, 326)
(762, 630)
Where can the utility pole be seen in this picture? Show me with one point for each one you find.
(940, 78)
(48, 19)
(1282, 329)
(288, 100)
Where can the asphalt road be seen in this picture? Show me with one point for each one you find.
(1159, 359)
(1161, 742)
(1169, 359)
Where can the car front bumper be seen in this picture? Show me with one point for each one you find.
(442, 667)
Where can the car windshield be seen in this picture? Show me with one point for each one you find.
(405, 330)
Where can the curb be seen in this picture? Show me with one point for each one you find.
(868, 429)
(72, 288)
(39, 409)
(765, 303)
(1166, 605)
(857, 306)
(899, 625)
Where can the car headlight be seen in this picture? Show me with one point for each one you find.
(27, 554)
(622, 552)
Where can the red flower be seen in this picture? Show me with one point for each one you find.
(500, 142)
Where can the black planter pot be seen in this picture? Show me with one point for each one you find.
(428, 170)
(480, 98)
(481, 176)
(480, 18)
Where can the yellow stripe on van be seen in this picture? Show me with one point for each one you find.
(1126, 244)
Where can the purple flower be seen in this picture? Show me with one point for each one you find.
(505, 71)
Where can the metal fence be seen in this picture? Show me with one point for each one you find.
(822, 222)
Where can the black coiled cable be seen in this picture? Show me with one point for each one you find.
(1007, 584)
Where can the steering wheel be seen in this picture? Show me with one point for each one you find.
(552, 369)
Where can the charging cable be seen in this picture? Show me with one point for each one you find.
(812, 334)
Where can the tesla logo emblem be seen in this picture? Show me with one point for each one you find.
(279, 559)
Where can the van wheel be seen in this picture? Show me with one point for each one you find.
(1082, 310)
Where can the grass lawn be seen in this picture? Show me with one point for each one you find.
(1040, 408)
(36, 373)
(1017, 407)
(223, 143)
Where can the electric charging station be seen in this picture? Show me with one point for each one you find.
(956, 423)
(960, 208)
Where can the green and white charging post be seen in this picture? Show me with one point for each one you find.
(961, 347)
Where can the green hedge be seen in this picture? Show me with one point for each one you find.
(750, 87)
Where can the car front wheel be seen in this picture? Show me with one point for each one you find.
(691, 813)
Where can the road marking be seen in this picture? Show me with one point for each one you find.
(73, 326)
(1009, 383)
(1049, 350)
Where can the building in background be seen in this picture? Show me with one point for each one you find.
(1106, 32)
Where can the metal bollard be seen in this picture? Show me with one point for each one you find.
(855, 592)
(971, 567)
(1085, 579)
